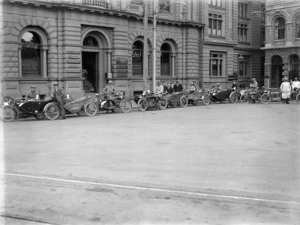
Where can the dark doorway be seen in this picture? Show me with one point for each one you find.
(90, 71)
(276, 72)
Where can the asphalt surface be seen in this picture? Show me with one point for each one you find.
(216, 164)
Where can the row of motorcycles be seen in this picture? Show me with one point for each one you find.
(12, 109)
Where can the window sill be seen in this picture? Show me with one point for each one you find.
(219, 37)
(217, 7)
(244, 43)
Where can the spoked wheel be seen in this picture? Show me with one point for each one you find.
(244, 99)
(205, 99)
(183, 101)
(51, 111)
(162, 104)
(90, 109)
(298, 98)
(265, 98)
(142, 105)
(7, 113)
(233, 97)
(125, 106)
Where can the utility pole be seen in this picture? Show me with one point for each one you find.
(145, 50)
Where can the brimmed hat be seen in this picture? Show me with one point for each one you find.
(296, 78)
(55, 83)
(253, 79)
(32, 86)
(110, 81)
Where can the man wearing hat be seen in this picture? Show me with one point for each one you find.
(254, 84)
(58, 96)
(32, 93)
(296, 84)
(177, 87)
(109, 89)
(286, 89)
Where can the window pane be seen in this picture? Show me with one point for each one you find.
(220, 67)
(214, 67)
(137, 58)
(298, 33)
(31, 54)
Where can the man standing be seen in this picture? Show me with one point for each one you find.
(58, 96)
(286, 90)
(31, 94)
(177, 87)
(234, 85)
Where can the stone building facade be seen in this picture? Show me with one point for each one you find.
(282, 49)
(84, 43)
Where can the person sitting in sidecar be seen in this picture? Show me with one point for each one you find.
(159, 89)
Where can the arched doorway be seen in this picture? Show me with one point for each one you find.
(137, 58)
(96, 61)
(276, 71)
(294, 66)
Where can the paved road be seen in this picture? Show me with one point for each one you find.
(216, 164)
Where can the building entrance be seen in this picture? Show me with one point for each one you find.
(90, 71)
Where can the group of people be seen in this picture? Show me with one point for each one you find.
(170, 88)
(287, 87)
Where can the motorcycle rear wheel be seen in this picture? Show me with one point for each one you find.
(7, 113)
(162, 104)
(125, 106)
(183, 101)
(90, 109)
(265, 99)
(244, 99)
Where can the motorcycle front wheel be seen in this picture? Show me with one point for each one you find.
(298, 98)
(125, 106)
(90, 109)
(142, 105)
(233, 97)
(183, 101)
(51, 111)
(205, 99)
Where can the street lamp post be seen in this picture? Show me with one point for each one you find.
(155, 14)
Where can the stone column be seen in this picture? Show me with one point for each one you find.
(172, 64)
(20, 61)
(109, 74)
(44, 61)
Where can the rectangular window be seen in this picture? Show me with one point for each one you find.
(216, 64)
(31, 61)
(137, 62)
(217, 3)
(244, 66)
(242, 32)
(215, 25)
(243, 10)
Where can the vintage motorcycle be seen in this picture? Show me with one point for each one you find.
(112, 103)
(251, 95)
(150, 100)
(271, 95)
(15, 109)
(198, 96)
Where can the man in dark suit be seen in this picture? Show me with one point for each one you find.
(177, 87)
(58, 95)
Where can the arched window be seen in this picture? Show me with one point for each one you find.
(279, 28)
(298, 27)
(137, 58)
(90, 41)
(31, 55)
(165, 60)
